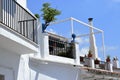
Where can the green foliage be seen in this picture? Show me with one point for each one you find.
(49, 13)
(37, 16)
(108, 56)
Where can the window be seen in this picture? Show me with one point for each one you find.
(2, 77)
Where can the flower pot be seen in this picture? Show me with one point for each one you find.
(97, 61)
(90, 54)
(108, 60)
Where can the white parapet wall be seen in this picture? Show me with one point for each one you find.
(59, 59)
(53, 71)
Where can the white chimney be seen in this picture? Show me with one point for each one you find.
(92, 40)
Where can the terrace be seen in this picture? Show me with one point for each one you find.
(59, 50)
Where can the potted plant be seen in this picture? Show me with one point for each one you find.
(97, 61)
(90, 54)
(48, 14)
(108, 59)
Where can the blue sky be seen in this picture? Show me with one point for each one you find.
(106, 14)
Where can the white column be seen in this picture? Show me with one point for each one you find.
(115, 63)
(43, 42)
(93, 47)
(77, 60)
(91, 62)
(109, 66)
(44, 45)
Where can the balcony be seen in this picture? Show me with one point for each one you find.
(57, 48)
(61, 47)
(18, 27)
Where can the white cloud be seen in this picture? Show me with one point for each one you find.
(83, 44)
(79, 40)
(108, 49)
(84, 51)
(52, 31)
(82, 40)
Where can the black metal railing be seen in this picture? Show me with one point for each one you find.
(14, 16)
(61, 48)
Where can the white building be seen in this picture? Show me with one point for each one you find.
(28, 54)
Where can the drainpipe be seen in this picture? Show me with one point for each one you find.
(93, 47)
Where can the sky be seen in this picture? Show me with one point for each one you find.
(105, 14)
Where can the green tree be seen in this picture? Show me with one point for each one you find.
(48, 14)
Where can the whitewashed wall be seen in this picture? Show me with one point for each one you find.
(13, 66)
(53, 71)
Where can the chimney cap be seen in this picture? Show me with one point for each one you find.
(90, 19)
